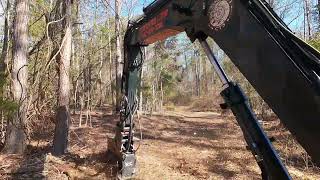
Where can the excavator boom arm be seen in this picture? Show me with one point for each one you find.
(283, 69)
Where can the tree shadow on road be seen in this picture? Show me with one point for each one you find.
(223, 138)
(32, 164)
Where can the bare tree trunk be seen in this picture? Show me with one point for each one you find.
(110, 63)
(197, 74)
(318, 6)
(153, 97)
(100, 83)
(308, 18)
(88, 84)
(76, 48)
(4, 61)
(205, 75)
(81, 111)
(141, 95)
(60, 142)
(162, 96)
(15, 142)
(304, 23)
(118, 47)
(5, 46)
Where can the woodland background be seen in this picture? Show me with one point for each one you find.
(62, 57)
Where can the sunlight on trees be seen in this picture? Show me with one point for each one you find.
(61, 61)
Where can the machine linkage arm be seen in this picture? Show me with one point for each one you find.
(258, 142)
(123, 143)
(276, 63)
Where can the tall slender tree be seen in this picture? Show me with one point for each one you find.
(5, 46)
(60, 141)
(118, 58)
(318, 11)
(15, 141)
(307, 20)
(111, 76)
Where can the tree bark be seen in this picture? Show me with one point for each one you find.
(140, 90)
(101, 80)
(118, 57)
(3, 60)
(60, 142)
(308, 18)
(318, 15)
(205, 74)
(5, 47)
(197, 73)
(15, 142)
(110, 64)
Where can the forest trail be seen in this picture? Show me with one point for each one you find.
(176, 145)
(193, 145)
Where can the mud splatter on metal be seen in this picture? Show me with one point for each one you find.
(219, 14)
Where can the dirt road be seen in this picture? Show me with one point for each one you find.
(175, 145)
(193, 146)
(198, 145)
